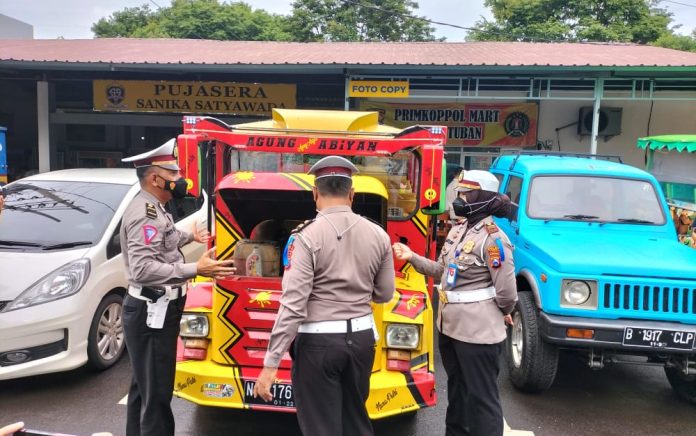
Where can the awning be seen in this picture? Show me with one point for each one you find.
(669, 142)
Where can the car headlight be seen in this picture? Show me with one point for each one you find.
(63, 282)
(193, 325)
(576, 292)
(403, 336)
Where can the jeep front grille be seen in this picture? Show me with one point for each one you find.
(661, 299)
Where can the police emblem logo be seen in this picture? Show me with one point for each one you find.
(516, 124)
(468, 246)
(115, 94)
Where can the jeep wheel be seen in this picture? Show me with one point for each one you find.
(106, 340)
(684, 385)
(531, 362)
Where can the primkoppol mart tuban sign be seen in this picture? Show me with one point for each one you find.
(469, 124)
(192, 97)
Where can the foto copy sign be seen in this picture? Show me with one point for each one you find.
(378, 88)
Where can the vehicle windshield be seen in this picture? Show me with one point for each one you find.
(590, 198)
(399, 173)
(50, 215)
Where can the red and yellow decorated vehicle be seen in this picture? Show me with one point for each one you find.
(256, 174)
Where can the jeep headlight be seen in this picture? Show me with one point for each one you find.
(403, 336)
(576, 292)
(63, 282)
(193, 325)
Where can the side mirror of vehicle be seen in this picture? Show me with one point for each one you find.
(440, 206)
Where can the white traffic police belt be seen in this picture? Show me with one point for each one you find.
(157, 306)
(362, 323)
(471, 296)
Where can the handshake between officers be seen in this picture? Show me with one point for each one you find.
(157, 274)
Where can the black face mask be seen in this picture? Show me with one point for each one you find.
(178, 187)
(489, 203)
(463, 209)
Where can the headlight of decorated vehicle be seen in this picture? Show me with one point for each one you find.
(193, 325)
(403, 336)
(63, 282)
(579, 293)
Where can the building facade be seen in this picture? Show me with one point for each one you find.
(82, 103)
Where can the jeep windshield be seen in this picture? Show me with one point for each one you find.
(51, 215)
(592, 198)
(399, 173)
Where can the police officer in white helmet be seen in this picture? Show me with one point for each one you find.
(477, 294)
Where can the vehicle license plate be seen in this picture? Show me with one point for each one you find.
(282, 395)
(654, 338)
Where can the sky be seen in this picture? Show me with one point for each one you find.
(72, 19)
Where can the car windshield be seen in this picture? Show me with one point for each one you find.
(591, 198)
(399, 173)
(57, 214)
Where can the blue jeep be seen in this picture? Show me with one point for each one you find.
(599, 270)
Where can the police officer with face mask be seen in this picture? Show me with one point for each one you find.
(157, 275)
(477, 294)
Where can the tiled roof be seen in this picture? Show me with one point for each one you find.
(206, 52)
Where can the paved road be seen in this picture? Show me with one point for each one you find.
(622, 400)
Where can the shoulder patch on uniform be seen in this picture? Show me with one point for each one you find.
(149, 232)
(302, 226)
(494, 256)
(491, 228)
(150, 210)
(499, 244)
(287, 252)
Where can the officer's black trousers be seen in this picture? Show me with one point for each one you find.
(153, 359)
(331, 382)
(472, 387)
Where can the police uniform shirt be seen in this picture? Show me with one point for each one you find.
(478, 322)
(150, 244)
(330, 279)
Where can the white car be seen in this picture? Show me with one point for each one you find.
(62, 278)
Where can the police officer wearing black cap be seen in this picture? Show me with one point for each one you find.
(337, 265)
(157, 275)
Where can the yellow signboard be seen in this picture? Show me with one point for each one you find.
(468, 124)
(192, 97)
(378, 88)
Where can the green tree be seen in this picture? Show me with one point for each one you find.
(677, 42)
(195, 19)
(637, 21)
(123, 23)
(357, 20)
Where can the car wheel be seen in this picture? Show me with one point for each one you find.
(106, 340)
(684, 385)
(531, 362)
